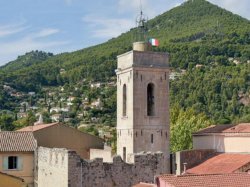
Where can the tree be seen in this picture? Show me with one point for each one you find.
(183, 124)
(6, 122)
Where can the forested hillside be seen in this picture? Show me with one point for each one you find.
(209, 48)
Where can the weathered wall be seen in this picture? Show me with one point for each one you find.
(192, 158)
(26, 172)
(62, 136)
(228, 143)
(52, 167)
(99, 174)
(76, 172)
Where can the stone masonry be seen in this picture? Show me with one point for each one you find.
(64, 168)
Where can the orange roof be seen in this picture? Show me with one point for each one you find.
(214, 180)
(240, 128)
(222, 163)
(17, 141)
(141, 184)
(36, 127)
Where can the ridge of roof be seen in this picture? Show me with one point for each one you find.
(225, 129)
(36, 127)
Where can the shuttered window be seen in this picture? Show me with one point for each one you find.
(12, 163)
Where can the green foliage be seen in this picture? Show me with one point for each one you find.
(90, 129)
(27, 121)
(6, 122)
(183, 124)
(214, 91)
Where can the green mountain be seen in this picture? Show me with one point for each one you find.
(197, 32)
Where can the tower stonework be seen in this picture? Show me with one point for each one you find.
(142, 102)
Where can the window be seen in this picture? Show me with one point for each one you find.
(152, 138)
(124, 107)
(12, 163)
(124, 154)
(150, 100)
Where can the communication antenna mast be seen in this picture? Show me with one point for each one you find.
(141, 24)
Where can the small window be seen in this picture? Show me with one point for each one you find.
(12, 162)
(150, 100)
(152, 138)
(124, 108)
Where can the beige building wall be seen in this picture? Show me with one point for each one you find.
(229, 143)
(27, 171)
(137, 69)
(105, 154)
(61, 136)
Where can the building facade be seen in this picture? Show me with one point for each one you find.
(17, 156)
(142, 102)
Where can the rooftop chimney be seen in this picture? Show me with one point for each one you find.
(184, 168)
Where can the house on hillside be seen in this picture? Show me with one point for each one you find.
(17, 158)
(62, 136)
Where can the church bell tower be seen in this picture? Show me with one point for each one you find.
(142, 101)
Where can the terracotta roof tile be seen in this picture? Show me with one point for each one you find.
(36, 127)
(17, 141)
(240, 128)
(222, 163)
(214, 180)
(144, 185)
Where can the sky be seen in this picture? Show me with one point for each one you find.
(67, 25)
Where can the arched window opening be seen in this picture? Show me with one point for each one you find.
(124, 108)
(150, 100)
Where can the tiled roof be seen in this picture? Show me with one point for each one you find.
(17, 141)
(144, 185)
(36, 127)
(240, 128)
(222, 163)
(214, 180)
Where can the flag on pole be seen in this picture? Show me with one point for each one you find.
(154, 42)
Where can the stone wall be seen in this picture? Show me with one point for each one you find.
(73, 171)
(145, 167)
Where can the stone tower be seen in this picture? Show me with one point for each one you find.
(142, 101)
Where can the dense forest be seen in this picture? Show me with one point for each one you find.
(209, 49)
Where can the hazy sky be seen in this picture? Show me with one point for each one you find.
(67, 25)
